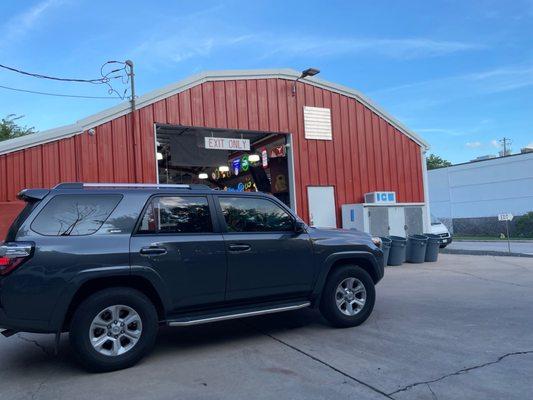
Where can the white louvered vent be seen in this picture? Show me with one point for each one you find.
(317, 123)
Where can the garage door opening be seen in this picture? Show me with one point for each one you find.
(231, 160)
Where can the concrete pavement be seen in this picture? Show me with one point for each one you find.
(460, 328)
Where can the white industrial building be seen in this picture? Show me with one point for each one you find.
(471, 195)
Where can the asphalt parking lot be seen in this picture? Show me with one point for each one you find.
(460, 328)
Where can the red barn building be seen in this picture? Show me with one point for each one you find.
(314, 144)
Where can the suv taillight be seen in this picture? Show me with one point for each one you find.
(13, 255)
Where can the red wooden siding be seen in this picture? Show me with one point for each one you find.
(366, 153)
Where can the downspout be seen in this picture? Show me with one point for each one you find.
(426, 210)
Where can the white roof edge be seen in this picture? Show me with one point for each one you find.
(124, 108)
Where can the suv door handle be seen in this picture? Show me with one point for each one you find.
(239, 248)
(153, 251)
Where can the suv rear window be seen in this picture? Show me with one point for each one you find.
(74, 215)
(176, 214)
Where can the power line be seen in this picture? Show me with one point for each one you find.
(106, 77)
(59, 94)
(13, 69)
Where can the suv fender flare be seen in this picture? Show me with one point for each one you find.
(64, 300)
(345, 255)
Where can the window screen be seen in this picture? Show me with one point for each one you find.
(74, 215)
(254, 215)
(176, 215)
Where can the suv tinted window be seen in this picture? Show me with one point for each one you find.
(74, 215)
(176, 215)
(254, 215)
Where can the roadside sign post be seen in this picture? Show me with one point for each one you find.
(506, 217)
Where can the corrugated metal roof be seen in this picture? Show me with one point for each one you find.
(167, 91)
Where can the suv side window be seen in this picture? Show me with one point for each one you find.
(74, 215)
(251, 214)
(175, 214)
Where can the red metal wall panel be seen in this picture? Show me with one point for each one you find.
(366, 153)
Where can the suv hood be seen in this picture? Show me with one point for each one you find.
(342, 235)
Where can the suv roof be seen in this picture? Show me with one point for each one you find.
(81, 185)
(70, 187)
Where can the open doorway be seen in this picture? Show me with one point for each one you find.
(224, 159)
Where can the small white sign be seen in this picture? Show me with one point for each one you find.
(505, 217)
(215, 143)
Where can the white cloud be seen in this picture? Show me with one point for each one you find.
(473, 145)
(444, 131)
(404, 48)
(183, 47)
(419, 96)
(22, 23)
(495, 143)
(202, 34)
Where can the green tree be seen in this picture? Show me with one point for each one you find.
(524, 225)
(9, 128)
(434, 161)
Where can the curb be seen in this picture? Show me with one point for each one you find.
(494, 241)
(485, 253)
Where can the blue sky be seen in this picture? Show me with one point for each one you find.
(460, 73)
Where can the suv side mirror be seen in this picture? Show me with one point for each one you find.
(299, 226)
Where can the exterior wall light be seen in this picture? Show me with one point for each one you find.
(305, 73)
(158, 156)
(203, 175)
(223, 168)
(253, 157)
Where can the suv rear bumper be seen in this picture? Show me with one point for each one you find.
(35, 326)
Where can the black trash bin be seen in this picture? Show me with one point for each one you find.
(385, 246)
(416, 248)
(432, 248)
(397, 250)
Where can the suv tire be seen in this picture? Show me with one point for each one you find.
(348, 296)
(131, 329)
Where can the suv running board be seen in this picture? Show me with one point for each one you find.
(188, 321)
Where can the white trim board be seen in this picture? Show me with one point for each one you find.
(124, 108)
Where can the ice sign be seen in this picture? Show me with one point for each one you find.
(380, 197)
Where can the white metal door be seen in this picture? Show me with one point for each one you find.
(322, 206)
(396, 221)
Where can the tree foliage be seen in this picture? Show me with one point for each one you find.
(524, 225)
(9, 127)
(434, 161)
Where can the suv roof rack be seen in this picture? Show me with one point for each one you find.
(81, 185)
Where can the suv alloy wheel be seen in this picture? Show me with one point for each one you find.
(113, 329)
(348, 297)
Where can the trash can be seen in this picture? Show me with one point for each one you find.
(397, 250)
(416, 248)
(432, 248)
(385, 246)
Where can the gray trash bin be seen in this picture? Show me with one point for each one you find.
(432, 248)
(386, 242)
(397, 250)
(416, 248)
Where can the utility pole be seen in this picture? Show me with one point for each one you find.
(131, 74)
(506, 144)
(136, 149)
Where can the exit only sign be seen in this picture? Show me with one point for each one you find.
(216, 143)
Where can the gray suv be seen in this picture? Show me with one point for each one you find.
(109, 263)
